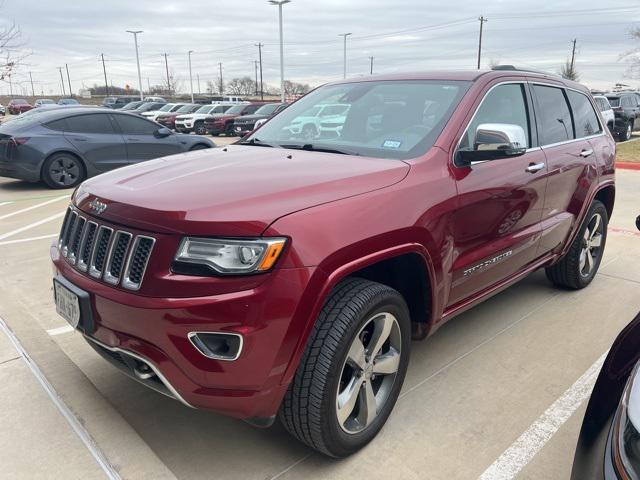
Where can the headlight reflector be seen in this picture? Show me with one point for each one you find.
(231, 256)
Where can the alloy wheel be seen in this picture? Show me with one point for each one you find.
(64, 171)
(591, 245)
(368, 373)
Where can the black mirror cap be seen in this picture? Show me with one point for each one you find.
(465, 158)
(638, 222)
(162, 132)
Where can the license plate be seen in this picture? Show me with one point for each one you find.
(67, 304)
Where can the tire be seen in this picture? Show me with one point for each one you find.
(199, 128)
(198, 146)
(580, 264)
(228, 130)
(354, 314)
(627, 132)
(309, 132)
(63, 170)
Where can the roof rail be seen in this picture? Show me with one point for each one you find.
(516, 69)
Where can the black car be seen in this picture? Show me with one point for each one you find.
(626, 107)
(117, 103)
(132, 105)
(63, 146)
(247, 123)
(609, 443)
(148, 107)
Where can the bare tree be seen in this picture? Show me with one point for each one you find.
(295, 89)
(175, 83)
(12, 51)
(568, 71)
(633, 55)
(241, 86)
(494, 62)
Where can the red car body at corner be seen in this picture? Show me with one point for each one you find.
(496, 220)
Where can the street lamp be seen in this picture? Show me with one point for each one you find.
(344, 59)
(279, 3)
(135, 39)
(191, 75)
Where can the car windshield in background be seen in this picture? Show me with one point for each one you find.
(167, 107)
(614, 101)
(267, 109)
(19, 102)
(205, 109)
(236, 109)
(386, 119)
(186, 109)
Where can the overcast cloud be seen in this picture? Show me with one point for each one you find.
(401, 35)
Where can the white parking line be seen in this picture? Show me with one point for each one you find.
(33, 207)
(31, 225)
(520, 453)
(60, 330)
(5, 203)
(21, 240)
(62, 407)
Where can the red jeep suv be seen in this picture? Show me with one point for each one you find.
(285, 277)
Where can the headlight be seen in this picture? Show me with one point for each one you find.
(227, 256)
(626, 439)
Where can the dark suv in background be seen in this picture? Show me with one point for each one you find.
(223, 122)
(247, 123)
(117, 103)
(626, 107)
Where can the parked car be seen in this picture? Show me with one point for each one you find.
(68, 101)
(3, 110)
(148, 107)
(154, 99)
(308, 126)
(131, 106)
(298, 274)
(609, 441)
(169, 119)
(606, 111)
(43, 101)
(63, 146)
(118, 102)
(18, 106)
(166, 108)
(194, 122)
(626, 107)
(223, 122)
(247, 123)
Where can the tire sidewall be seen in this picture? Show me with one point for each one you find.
(199, 129)
(50, 182)
(344, 443)
(599, 208)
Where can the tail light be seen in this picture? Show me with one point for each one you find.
(16, 141)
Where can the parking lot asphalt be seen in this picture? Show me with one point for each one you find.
(472, 390)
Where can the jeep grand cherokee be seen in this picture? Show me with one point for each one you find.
(282, 277)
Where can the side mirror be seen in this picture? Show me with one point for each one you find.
(162, 132)
(493, 141)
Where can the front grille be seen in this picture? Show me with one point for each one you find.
(118, 257)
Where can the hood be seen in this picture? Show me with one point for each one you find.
(232, 191)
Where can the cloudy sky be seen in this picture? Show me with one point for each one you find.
(401, 35)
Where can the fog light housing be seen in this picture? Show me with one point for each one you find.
(217, 345)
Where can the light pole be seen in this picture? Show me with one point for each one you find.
(279, 3)
(190, 75)
(344, 56)
(135, 39)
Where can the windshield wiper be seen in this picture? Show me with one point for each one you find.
(314, 148)
(254, 141)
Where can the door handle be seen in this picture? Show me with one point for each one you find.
(79, 139)
(534, 167)
(586, 153)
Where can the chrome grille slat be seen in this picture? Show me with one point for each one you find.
(117, 258)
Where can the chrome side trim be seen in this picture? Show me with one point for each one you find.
(108, 261)
(126, 282)
(155, 369)
(190, 336)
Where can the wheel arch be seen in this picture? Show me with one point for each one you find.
(607, 195)
(67, 151)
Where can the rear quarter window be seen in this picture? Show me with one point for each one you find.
(584, 116)
(553, 114)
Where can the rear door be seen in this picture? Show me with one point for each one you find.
(141, 140)
(95, 137)
(566, 127)
(496, 227)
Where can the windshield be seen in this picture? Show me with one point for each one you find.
(185, 109)
(167, 107)
(386, 119)
(19, 102)
(204, 109)
(614, 101)
(267, 109)
(236, 109)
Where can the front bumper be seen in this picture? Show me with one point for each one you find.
(156, 330)
(184, 127)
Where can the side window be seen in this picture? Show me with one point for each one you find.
(133, 125)
(94, 123)
(504, 104)
(59, 125)
(554, 116)
(250, 109)
(585, 118)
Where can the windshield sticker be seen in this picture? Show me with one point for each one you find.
(391, 144)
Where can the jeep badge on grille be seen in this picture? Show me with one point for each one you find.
(97, 206)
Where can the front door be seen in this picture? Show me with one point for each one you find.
(496, 227)
(140, 139)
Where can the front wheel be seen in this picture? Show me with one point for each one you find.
(351, 372)
(580, 264)
(627, 132)
(200, 129)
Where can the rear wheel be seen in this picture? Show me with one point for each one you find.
(627, 132)
(228, 130)
(352, 370)
(199, 129)
(63, 170)
(580, 264)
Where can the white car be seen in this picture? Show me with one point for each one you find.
(194, 122)
(606, 110)
(168, 108)
(308, 125)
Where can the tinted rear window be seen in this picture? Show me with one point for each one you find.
(584, 116)
(554, 115)
(93, 123)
